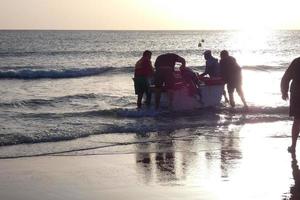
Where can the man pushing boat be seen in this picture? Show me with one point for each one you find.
(164, 76)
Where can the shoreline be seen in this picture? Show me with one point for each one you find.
(216, 168)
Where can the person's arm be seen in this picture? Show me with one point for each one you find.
(156, 63)
(204, 73)
(206, 69)
(150, 67)
(285, 81)
(181, 60)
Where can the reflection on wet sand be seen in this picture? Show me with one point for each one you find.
(295, 189)
(165, 160)
(180, 160)
(229, 153)
(144, 159)
(160, 164)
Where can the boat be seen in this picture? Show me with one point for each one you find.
(188, 97)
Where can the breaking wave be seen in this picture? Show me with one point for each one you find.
(155, 121)
(52, 74)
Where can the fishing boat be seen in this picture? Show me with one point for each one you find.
(186, 96)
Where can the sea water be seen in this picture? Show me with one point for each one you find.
(75, 86)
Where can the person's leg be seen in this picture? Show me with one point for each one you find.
(295, 134)
(225, 96)
(170, 83)
(241, 94)
(138, 91)
(158, 81)
(148, 94)
(170, 94)
(139, 100)
(231, 100)
(157, 97)
(230, 90)
(148, 97)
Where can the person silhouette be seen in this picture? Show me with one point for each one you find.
(212, 66)
(164, 75)
(143, 71)
(231, 73)
(293, 73)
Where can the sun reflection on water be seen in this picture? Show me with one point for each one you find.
(252, 46)
(261, 80)
(262, 88)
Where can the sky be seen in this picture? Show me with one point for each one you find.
(149, 14)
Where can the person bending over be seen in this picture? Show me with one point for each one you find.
(164, 75)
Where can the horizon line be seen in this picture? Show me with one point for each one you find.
(37, 29)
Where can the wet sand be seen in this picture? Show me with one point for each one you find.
(246, 164)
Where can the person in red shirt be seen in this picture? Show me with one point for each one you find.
(293, 73)
(142, 74)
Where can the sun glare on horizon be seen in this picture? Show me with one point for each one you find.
(230, 14)
(150, 14)
(250, 41)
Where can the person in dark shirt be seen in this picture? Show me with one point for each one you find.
(212, 67)
(142, 73)
(164, 68)
(293, 73)
(231, 73)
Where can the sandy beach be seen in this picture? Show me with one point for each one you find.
(246, 163)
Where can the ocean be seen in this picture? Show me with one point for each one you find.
(63, 90)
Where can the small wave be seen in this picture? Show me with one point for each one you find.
(90, 99)
(90, 113)
(5, 54)
(113, 112)
(47, 53)
(52, 74)
(134, 113)
(157, 121)
(15, 139)
(265, 68)
(255, 110)
(50, 101)
(127, 128)
(265, 113)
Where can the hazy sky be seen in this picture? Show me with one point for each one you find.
(149, 14)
